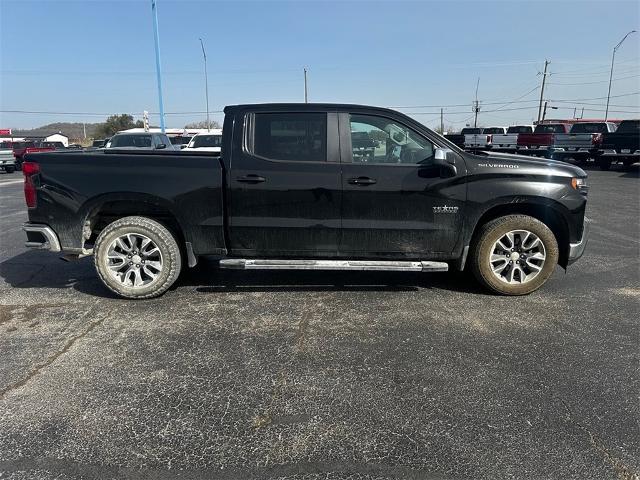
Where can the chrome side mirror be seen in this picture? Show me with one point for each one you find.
(446, 160)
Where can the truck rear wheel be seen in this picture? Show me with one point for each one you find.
(514, 255)
(137, 257)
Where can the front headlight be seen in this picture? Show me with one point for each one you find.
(580, 184)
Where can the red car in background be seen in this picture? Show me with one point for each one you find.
(22, 147)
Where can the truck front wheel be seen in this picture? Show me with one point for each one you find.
(514, 254)
(137, 257)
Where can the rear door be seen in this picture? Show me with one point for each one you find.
(396, 202)
(284, 184)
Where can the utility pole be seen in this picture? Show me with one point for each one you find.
(544, 112)
(476, 106)
(154, 12)
(544, 80)
(206, 84)
(84, 130)
(441, 121)
(306, 96)
(613, 57)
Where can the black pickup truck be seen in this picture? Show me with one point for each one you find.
(624, 144)
(289, 192)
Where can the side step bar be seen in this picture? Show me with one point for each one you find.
(380, 265)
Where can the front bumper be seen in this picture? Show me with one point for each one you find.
(577, 249)
(41, 237)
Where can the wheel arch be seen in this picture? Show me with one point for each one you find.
(545, 210)
(98, 212)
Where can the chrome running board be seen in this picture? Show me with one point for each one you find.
(380, 265)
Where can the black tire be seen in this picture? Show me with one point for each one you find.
(11, 169)
(170, 257)
(493, 231)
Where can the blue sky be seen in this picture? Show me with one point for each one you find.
(98, 57)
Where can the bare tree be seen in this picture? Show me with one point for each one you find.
(203, 124)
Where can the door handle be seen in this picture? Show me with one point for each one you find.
(364, 181)
(251, 179)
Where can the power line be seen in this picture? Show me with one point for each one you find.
(596, 82)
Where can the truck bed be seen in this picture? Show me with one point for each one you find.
(187, 187)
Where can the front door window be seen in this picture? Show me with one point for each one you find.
(380, 140)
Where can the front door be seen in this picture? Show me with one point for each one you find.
(284, 185)
(396, 202)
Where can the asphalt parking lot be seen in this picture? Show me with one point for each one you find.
(311, 375)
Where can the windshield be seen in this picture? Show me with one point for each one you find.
(550, 128)
(493, 130)
(206, 141)
(629, 126)
(589, 128)
(470, 131)
(138, 141)
(520, 129)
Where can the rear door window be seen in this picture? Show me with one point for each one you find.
(295, 136)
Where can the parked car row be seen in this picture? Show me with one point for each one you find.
(12, 152)
(604, 142)
(209, 141)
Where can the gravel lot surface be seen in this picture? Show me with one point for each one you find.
(311, 375)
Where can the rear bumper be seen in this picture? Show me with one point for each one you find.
(41, 237)
(7, 165)
(577, 249)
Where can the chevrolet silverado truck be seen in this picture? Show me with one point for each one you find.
(20, 149)
(541, 142)
(623, 145)
(582, 142)
(483, 141)
(290, 190)
(7, 160)
(508, 142)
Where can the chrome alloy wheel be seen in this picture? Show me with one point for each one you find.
(134, 260)
(517, 257)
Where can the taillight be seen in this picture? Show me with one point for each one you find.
(596, 138)
(29, 169)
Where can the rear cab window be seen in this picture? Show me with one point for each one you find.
(290, 136)
(206, 140)
(589, 128)
(550, 128)
(520, 129)
(629, 126)
(470, 131)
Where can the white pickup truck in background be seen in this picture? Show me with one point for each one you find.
(482, 138)
(582, 141)
(7, 160)
(509, 141)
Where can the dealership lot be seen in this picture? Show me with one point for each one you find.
(313, 375)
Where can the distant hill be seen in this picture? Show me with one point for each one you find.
(72, 130)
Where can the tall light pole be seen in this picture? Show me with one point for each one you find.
(154, 12)
(613, 57)
(306, 96)
(206, 83)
